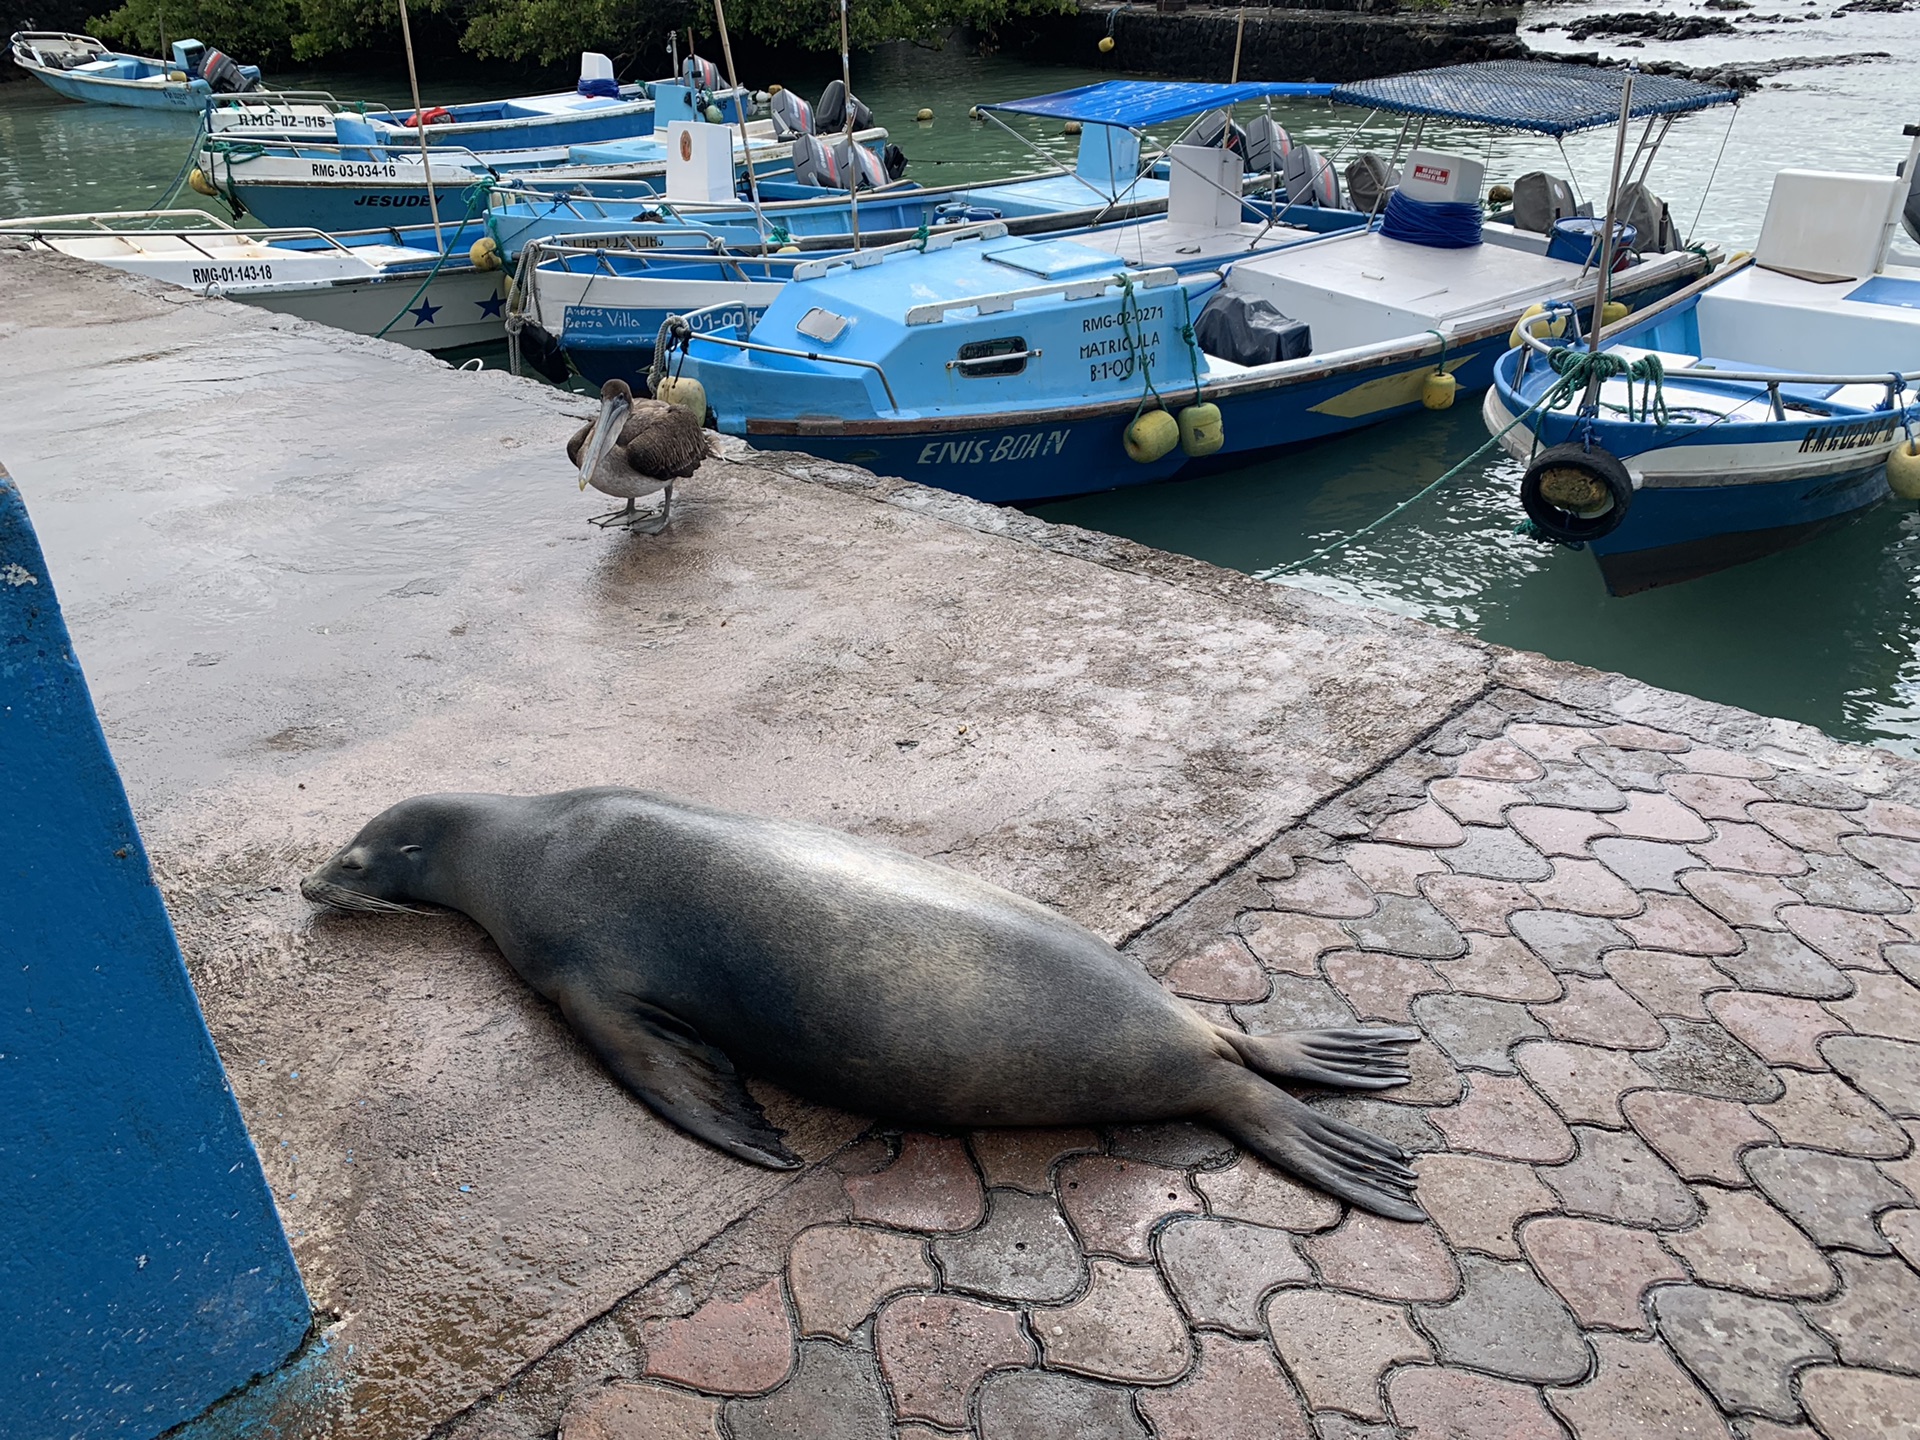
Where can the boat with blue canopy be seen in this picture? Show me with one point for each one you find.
(79, 67)
(1019, 369)
(604, 293)
(1748, 414)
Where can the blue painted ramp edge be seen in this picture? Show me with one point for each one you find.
(143, 1270)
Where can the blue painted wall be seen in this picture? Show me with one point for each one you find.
(143, 1270)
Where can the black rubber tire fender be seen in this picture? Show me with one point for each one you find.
(1574, 492)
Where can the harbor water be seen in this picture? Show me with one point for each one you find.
(1827, 633)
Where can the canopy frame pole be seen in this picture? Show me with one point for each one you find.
(1701, 209)
(1600, 284)
(420, 130)
(1239, 35)
(846, 83)
(740, 113)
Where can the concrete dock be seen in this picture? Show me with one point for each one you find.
(1664, 953)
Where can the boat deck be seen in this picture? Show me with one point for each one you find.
(1846, 327)
(1146, 244)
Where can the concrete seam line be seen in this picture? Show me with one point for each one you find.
(1488, 684)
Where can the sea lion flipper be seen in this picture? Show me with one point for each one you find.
(1355, 1057)
(681, 1078)
(1340, 1158)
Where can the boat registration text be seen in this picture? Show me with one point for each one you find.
(230, 274)
(1856, 435)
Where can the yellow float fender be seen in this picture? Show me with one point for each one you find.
(1152, 434)
(484, 254)
(1201, 430)
(1106, 44)
(1437, 391)
(1614, 311)
(690, 395)
(1903, 470)
(923, 115)
(198, 182)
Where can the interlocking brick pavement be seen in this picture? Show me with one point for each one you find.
(1665, 1111)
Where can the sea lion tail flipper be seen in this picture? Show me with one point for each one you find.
(1356, 1057)
(1341, 1159)
(681, 1078)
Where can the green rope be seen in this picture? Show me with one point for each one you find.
(1136, 338)
(475, 194)
(920, 237)
(1575, 368)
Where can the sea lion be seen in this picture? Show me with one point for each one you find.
(681, 941)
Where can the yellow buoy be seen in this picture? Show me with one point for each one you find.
(1614, 311)
(1903, 470)
(924, 115)
(788, 250)
(1151, 435)
(976, 113)
(1530, 320)
(1499, 195)
(1201, 431)
(1106, 44)
(483, 254)
(198, 182)
(177, 76)
(689, 395)
(1437, 391)
(1072, 127)
(775, 89)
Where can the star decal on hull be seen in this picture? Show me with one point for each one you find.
(424, 312)
(491, 309)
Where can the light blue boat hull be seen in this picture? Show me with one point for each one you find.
(188, 97)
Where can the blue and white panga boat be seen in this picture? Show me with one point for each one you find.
(83, 68)
(336, 166)
(1737, 419)
(1014, 369)
(407, 285)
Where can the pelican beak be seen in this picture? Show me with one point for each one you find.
(605, 434)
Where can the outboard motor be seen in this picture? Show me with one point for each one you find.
(1310, 178)
(895, 159)
(1645, 214)
(1217, 131)
(814, 163)
(1539, 199)
(791, 116)
(1267, 145)
(224, 77)
(1370, 179)
(859, 167)
(835, 105)
(700, 74)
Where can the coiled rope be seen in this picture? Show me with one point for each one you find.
(1437, 224)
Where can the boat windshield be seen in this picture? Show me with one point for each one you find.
(1542, 96)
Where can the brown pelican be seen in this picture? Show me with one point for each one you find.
(635, 448)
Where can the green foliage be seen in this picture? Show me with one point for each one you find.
(245, 29)
(543, 31)
(815, 24)
(556, 30)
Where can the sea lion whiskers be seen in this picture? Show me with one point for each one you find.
(339, 897)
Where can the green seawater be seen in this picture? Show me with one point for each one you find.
(1827, 633)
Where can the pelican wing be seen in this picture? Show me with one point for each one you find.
(663, 440)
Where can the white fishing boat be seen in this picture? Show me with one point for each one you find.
(394, 283)
(79, 67)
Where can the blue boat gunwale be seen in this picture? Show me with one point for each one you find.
(1624, 437)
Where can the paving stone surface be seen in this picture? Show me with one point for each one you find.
(1664, 1112)
(1742, 1348)
(1601, 1270)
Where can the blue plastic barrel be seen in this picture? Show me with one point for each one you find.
(1576, 240)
